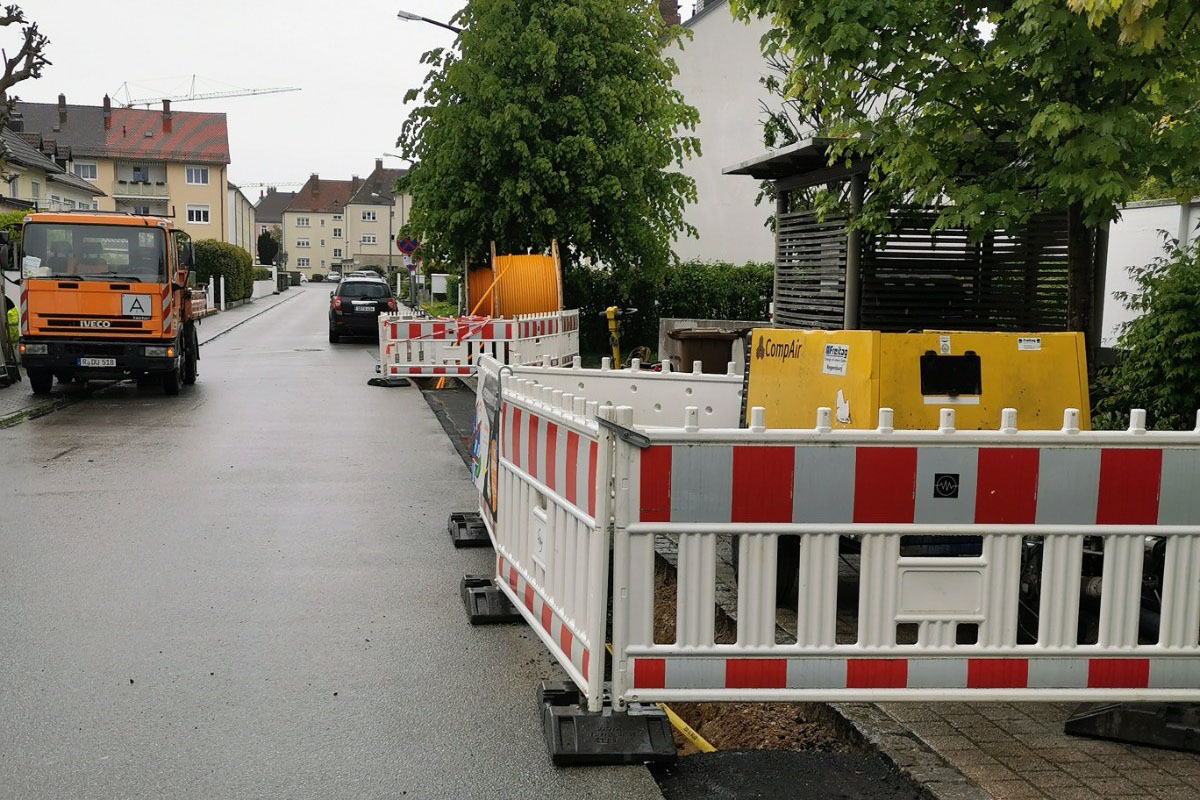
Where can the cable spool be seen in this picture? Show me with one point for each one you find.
(524, 284)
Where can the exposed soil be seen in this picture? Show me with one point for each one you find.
(741, 726)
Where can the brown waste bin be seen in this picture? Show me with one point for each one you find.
(712, 347)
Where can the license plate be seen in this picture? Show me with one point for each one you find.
(97, 362)
(369, 309)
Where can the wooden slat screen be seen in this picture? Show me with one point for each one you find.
(1012, 280)
(810, 271)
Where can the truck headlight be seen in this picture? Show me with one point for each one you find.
(159, 352)
(33, 349)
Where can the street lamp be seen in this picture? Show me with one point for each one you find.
(411, 17)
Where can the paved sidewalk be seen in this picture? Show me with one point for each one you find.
(1019, 751)
(18, 403)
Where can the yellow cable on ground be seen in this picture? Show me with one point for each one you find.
(677, 722)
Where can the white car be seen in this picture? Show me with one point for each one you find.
(334, 276)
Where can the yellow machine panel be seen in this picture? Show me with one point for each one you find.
(792, 373)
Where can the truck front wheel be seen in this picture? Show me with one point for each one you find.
(41, 380)
(191, 354)
(172, 380)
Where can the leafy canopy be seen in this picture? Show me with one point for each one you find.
(1159, 364)
(554, 119)
(268, 245)
(1001, 107)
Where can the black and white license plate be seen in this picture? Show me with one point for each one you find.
(97, 362)
(369, 309)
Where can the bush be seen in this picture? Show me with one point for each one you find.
(691, 289)
(452, 282)
(1158, 363)
(262, 274)
(216, 259)
(317, 277)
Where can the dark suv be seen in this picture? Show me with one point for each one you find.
(355, 305)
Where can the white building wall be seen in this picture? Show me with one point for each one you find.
(1135, 240)
(719, 72)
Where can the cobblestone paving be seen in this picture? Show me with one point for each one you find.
(1016, 751)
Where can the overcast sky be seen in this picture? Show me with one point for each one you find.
(353, 61)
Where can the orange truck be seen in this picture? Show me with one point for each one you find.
(106, 296)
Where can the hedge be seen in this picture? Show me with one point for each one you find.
(691, 289)
(215, 259)
(262, 274)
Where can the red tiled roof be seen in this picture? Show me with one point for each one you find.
(322, 195)
(194, 136)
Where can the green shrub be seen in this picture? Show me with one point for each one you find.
(452, 282)
(262, 274)
(216, 259)
(317, 277)
(1158, 361)
(691, 289)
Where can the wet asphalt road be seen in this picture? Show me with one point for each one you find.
(247, 591)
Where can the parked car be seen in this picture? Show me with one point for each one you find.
(355, 306)
(333, 276)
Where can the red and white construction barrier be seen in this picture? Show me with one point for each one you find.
(570, 475)
(409, 346)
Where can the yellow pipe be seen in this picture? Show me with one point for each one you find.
(677, 722)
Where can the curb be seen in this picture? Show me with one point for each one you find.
(240, 323)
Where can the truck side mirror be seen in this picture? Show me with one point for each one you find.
(191, 278)
(187, 258)
(5, 236)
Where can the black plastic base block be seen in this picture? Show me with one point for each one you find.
(485, 603)
(1171, 726)
(390, 382)
(578, 737)
(467, 529)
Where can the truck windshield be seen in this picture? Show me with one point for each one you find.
(94, 252)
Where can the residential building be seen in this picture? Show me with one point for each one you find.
(153, 162)
(314, 225)
(240, 225)
(268, 213)
(375, 213)
(719, 74)
(34, 179)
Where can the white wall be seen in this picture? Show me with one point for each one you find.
(1136, 240)
(719, 71)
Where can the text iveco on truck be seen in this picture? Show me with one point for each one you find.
(105, 296)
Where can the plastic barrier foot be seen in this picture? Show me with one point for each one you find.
(485, 603)
(389, 382)
(1173, 726)
(578, 737)
(467, 529)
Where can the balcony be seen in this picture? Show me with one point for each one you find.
(140, 189)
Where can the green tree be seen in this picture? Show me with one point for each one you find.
(1158, 367)
(553, 119)
(996, 110)
(268, 245)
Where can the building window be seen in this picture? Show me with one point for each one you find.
(35, 190)
(322, 262)
(337, 252)
(95, 206)
(368, 216)
(141, 174)
(302, 263)
(303, 243)
(85, 171)
(368, 238)
(69, 203)
(337, 217)
(337, 233)
(197, 176)
(322, 243)
(322, 222)
(301, 222)
(197, 214)
(143, 211)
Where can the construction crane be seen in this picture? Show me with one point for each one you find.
(191, 94)
(267, 184)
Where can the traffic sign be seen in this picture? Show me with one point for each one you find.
(407, 244)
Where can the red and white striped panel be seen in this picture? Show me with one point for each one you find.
(24, 311)
(168, 318)
(533, 328)
(403, 370)
(541, 614)
(916, 673)
(814, 483)
(561, 459)
(462, 329)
